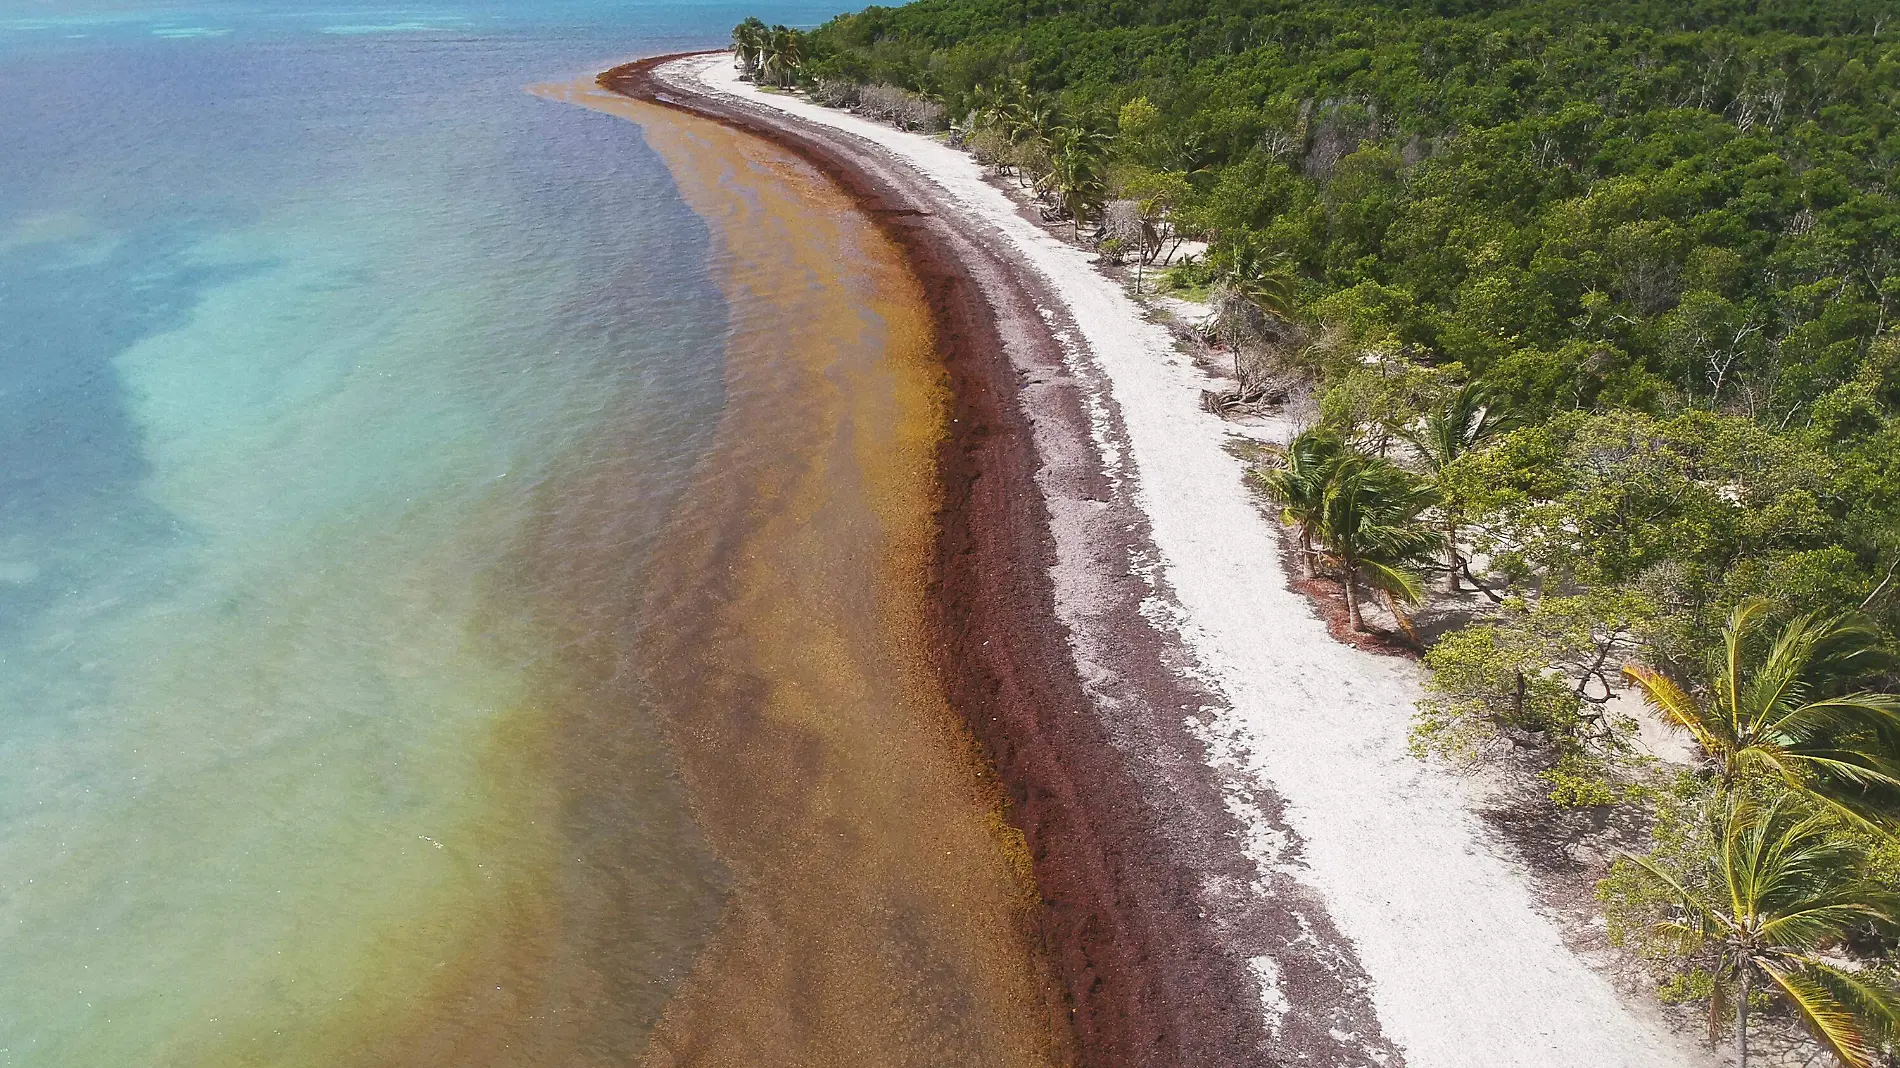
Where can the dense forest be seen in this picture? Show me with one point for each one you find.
(1599, 304)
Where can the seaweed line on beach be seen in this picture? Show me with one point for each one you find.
(1159, 927)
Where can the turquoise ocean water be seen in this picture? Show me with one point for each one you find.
(342, 385)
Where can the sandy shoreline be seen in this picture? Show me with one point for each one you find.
(1241, 864)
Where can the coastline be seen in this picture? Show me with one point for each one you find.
(1240, 861)
(877, 909)
(1122, 850)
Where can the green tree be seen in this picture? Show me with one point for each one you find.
(1469, 418)
(1372, 529)
(1795, 709)
(748, 43)
(1699, 511)
(1775, 897)
(1137, 126)
(1300, 484)
(1535, 675)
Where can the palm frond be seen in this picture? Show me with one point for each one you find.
(1399, 583)
(1680, 710)
(1831, 1022)
(1855, 712)
(1469, 417)
(1710, 920)
(1792, 710)
(1735, 638)
(1876, 1007)
(1300, 484)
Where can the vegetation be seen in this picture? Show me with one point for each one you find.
(1251, 292)
(1372, 532)
(1465, 420)
(1301, 485)
(1598, 304)
(771, 55)
(1359, 513)
(748, 40)
(1541, 675)
(1794, 710)
(1775, 896)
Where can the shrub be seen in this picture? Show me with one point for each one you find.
(900, 108)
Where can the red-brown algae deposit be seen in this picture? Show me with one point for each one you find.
(881, 909)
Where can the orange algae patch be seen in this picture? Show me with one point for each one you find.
(558, 911)
(880, 911)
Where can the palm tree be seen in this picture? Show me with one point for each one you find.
(748, 42)
(1250, 288)
(994, 108)
(1263, 278)
(1019, 102)
(1300, 485)
(781, 54)
(1778, 891)
(1796, 710)
(1076, 173)
(1035, 138)
(1469, 418)
(1371, 528)
(1001, 113)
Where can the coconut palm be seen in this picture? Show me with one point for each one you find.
(1796, 709)
(1779, 890)
(1468, 419)
(1076, 173)
(1002, 115)
(1371, 529)
(996, 109)
(780, 55)
(1300, 484)
(1003, 108)
(994, 120)
(1034, 141)
(1263, 278)
(748, 42)
(1250, 289)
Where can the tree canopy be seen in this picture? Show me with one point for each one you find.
(1645, 204)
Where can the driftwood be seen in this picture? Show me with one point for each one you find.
(1250, 399)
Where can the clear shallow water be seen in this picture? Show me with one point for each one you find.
(343, 388)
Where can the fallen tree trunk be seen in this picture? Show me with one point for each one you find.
(1250, 399)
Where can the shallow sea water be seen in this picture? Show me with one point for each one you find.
(345, 392)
